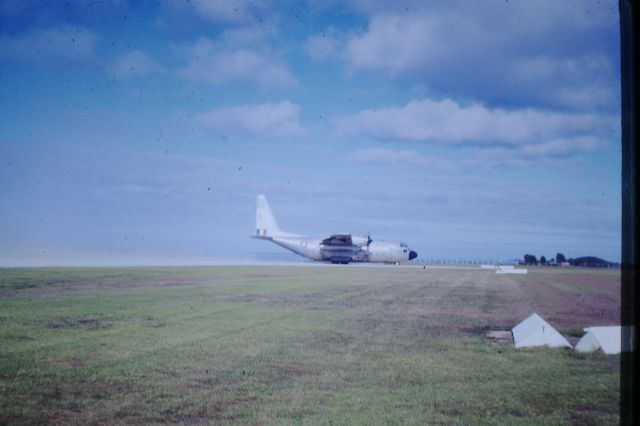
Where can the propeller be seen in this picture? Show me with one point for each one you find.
(369, 240)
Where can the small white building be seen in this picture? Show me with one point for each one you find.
(511, 270)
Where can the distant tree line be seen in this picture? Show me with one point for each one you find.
(560, 259)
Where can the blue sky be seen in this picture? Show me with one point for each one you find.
(139, 133)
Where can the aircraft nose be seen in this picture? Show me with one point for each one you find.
(412, 255)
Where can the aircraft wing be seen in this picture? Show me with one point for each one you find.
(338, 240)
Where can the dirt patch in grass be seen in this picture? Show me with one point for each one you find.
(17, 337)
(57, 289)
(75, 362)
(72, 402)
(589, 414)
(51, 282)
(448, 410)
(152, 322)
(399, 405)
(86, 323)
(293, 370)
(223, 409)
(483, 330)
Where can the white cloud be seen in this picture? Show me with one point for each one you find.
(267, 120)
(387, 157)
(134, 64)
(485, 159)
(66, 44)
(493, 51)
(401, 158)
(447, 122)
(583, 80)
(438, 35)
(218, 64)
(562, 146)
(396, 44)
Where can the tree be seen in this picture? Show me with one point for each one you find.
(560, 258)
(591, 262)
(543, 260)
(530, 259)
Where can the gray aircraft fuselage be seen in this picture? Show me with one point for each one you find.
(338, 248)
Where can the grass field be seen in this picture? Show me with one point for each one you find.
(300, 345)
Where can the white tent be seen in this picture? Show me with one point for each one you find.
(606, 338)
(534, 331)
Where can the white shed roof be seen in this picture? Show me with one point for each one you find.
(606, 338)
(534, 331)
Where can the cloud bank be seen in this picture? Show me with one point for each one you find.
(545, 52)
(447, 122)
(217, 63)
(266, 120)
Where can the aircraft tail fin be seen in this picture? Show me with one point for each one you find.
(266, 225)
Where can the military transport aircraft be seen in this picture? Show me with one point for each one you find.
(338, 248)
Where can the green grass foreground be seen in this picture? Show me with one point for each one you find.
(300, 345)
